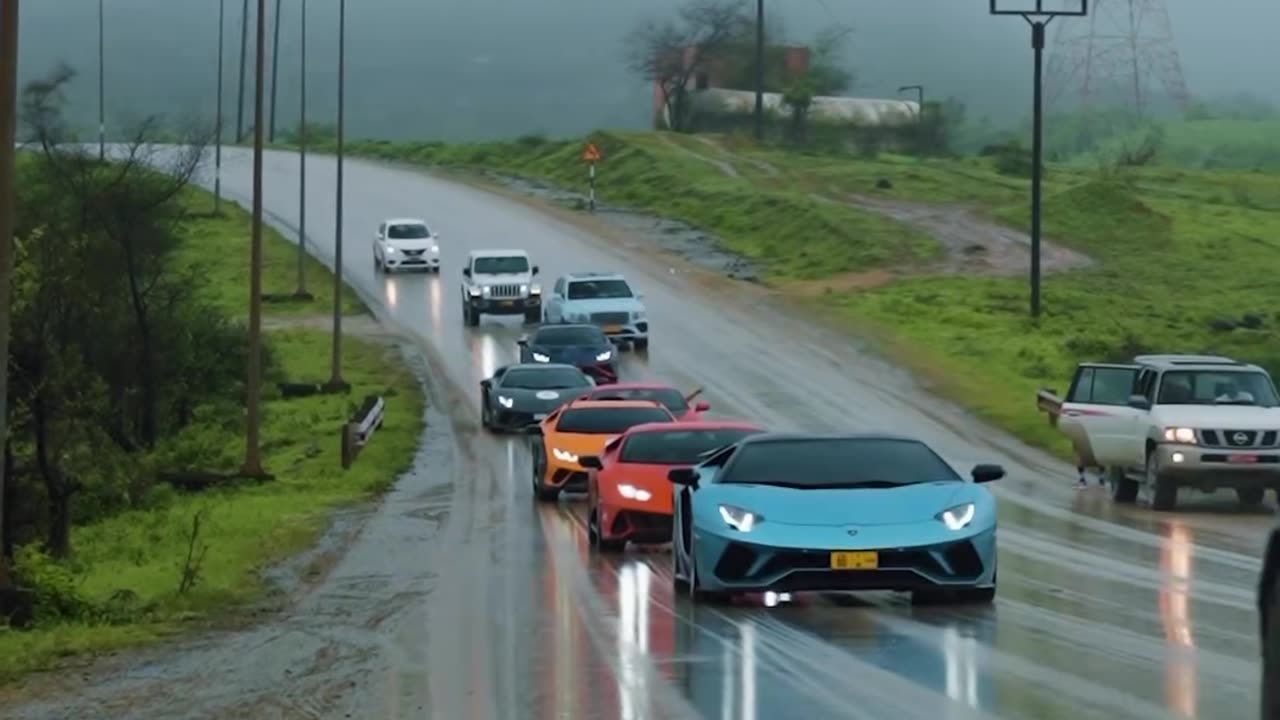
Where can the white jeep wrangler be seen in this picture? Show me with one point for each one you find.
(1165, 422)
(500, 282)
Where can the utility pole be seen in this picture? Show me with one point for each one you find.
(275, 74)
(8, 202)
(253, 452)
(301, 292)
(335, 379)
(760, 70)
(244, 52)
(102, 82)
(217, 148)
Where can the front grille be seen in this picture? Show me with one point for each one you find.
(570, 480)
(610, 318)
(736, 562)
(642, 523)
(964, 560)
(821, 560)
(1238, 438)
(414, 253)
(504, 291)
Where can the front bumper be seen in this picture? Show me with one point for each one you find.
(505, 306)
(404, 261)
(568, 478)
(627, 333)
(733, 564)
(1207, 467)
(638, 526)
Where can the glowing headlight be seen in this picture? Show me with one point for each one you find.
(524, 289)
(631, 492)
(637, 315)
(535, 289)
(564, 455)
(604, 356)
(487, 290)
(391, 250)
(958, 517)
(539, 357)
(435, 249)
(475, 291)
(1180, 435)
(739, 519)
(506, 402)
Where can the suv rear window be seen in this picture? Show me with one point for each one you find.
(609, 421)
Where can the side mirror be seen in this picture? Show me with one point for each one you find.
(986, 473)
(486, 382)
(534, 271)
(683, 476)
(639, 296)
(591, 462)
(1139, 402)
(702, 406)
(466, 272)
(523, 342)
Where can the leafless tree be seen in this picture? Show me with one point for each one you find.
(672, 52)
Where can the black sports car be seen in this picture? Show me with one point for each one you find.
(518, 395)
(583, 346)
(1269, 613)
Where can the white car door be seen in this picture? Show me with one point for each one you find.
(1096, 415)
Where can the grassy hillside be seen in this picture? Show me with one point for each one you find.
(1182, 259)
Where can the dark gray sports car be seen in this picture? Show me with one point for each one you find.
(518, 395)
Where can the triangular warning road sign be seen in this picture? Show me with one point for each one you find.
(591, 153)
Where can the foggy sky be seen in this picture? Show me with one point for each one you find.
(478, 69)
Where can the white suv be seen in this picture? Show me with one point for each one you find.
(1171, 421)
(405, 243)
(500, 282)
(603, 299)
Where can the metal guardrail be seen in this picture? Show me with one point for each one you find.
(357, 432)
(1048, 401)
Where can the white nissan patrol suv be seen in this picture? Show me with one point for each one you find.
(1164, 422)
(500, 282)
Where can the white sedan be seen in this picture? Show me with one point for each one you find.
(406, 244)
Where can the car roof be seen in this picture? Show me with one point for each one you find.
(1193, 362)
(789, 437)
(542, 366)
(571, 277)
(566, 326)
(404, 221)
(498, 252)
(700, 425)
(581, 403)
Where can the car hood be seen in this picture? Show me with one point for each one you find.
(503, 279)
(539, 400)
(579, 444)
(571, 354)
(419, 244)
(1218, 417)
(604, 305)
(840, 507)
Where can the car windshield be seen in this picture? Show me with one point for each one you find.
(567, 336)
(409, 231)
(677, 447)
(599, 289)
(500, 265)
(837, 463)
(670, 398)
(544, 379)
(1216, 387)
(608, 421)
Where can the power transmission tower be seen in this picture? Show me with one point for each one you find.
(1123, 54)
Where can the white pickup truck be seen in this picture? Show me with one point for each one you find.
(1165, 422)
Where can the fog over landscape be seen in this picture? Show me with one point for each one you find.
(456, 69)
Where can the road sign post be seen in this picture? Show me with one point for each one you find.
(591, 155)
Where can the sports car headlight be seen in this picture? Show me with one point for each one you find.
(958, 517)
(535, 289)
(539, 357)
(564, 455)
(1180, 435)
(506, 402)
(631, 492)
(739, 519)
(604, 356)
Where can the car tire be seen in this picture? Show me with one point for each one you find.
(696, 593)
(640, 345)
(1271, 656)
(1164, 496)
(532, 317)
(472, 315)
(1124, 489)
(540, 493)
(486, 412)
(1251, 496)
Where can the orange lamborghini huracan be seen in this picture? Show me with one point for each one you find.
(582, 428)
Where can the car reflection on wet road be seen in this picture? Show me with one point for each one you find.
(1103, 611)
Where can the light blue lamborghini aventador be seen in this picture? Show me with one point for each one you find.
(793, 513)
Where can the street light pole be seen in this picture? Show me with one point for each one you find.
(275, 74)
(1038, 19)
(301, 292)
(8, 203)
(244, 52)
(217, 148)
(335, 378)
(253, 451)
(102, 83)
(759, 70)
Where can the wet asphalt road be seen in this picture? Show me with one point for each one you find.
(461, 599)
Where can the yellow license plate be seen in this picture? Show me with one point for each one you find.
(855, 560)
(612, 328)
(509, 303)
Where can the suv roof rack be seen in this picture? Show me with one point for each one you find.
(1172, 359)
